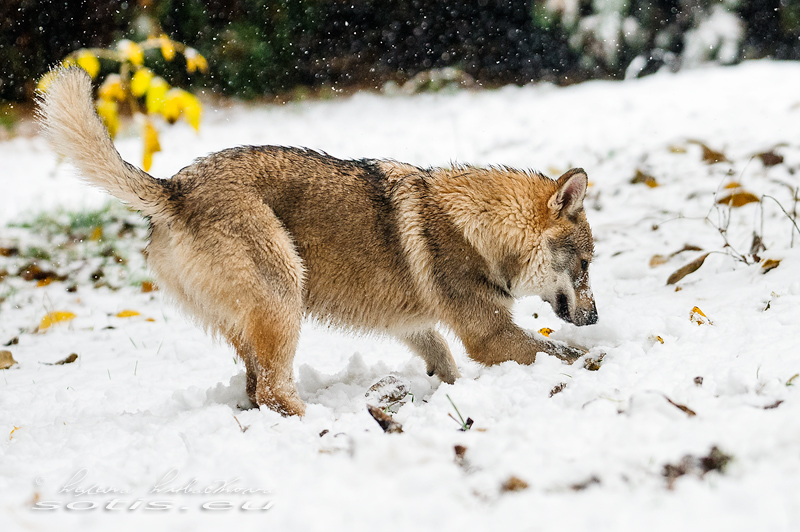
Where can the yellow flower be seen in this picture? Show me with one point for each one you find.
(173, 105)
(131, 52)
(192, 110)
(111, 89)
(167, 48)
(87, 61)
(141, 81)
(179, 102)
(109, 114)
(151, 145)
(195, 61)
(156, 93)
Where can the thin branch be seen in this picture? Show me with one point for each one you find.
(784, 211)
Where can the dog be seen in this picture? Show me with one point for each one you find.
(250, 240)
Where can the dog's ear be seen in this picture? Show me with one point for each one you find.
(568, 199)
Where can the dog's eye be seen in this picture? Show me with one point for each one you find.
(584, 265)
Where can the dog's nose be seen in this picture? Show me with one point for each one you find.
(591, 319)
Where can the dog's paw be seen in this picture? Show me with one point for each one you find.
(286, 404)
(446, 370)
(567, 353)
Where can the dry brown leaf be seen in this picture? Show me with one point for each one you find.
(689, 412)
(147, 286)
(647, 179)
(658, 260)
(6, 360)
(513, 484)
(769, 264)
(594, 363)
(738, 199)
(770, 158)
(683, 271)
(710, 156)
(383, 419)
(69, 360)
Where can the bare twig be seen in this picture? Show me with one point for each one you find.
(791, 218)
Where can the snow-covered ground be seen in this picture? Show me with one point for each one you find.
(151, 404)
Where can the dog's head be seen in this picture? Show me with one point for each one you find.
(568, 247)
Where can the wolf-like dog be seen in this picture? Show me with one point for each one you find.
(250, 240)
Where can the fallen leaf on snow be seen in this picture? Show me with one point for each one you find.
(6, 360)
(513, 484)
(710, 156)
(54, 317)
(683, 408)
(127, 314)
(594, 363)
(147, 286)
(545, 331)
(738, 199)
(580, 486)
(716, 460)
(383, 419)
(389, 393)
(647, 179)
(658, 260)
(69, 360)
(770, 158)
(769, 264)
(697, 316)
(683, 271)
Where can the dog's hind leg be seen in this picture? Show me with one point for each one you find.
(242, 278)
(433, 349)
(250, 365)
(271, 314)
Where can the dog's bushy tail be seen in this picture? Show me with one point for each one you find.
(74, 130)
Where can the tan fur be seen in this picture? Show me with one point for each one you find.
(250, 240)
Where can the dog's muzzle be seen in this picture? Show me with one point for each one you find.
(582, 317)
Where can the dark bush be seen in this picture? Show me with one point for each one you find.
(257, 47)
(36, 34)
(260, 46)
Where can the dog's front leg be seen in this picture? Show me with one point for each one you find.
(496, 338)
